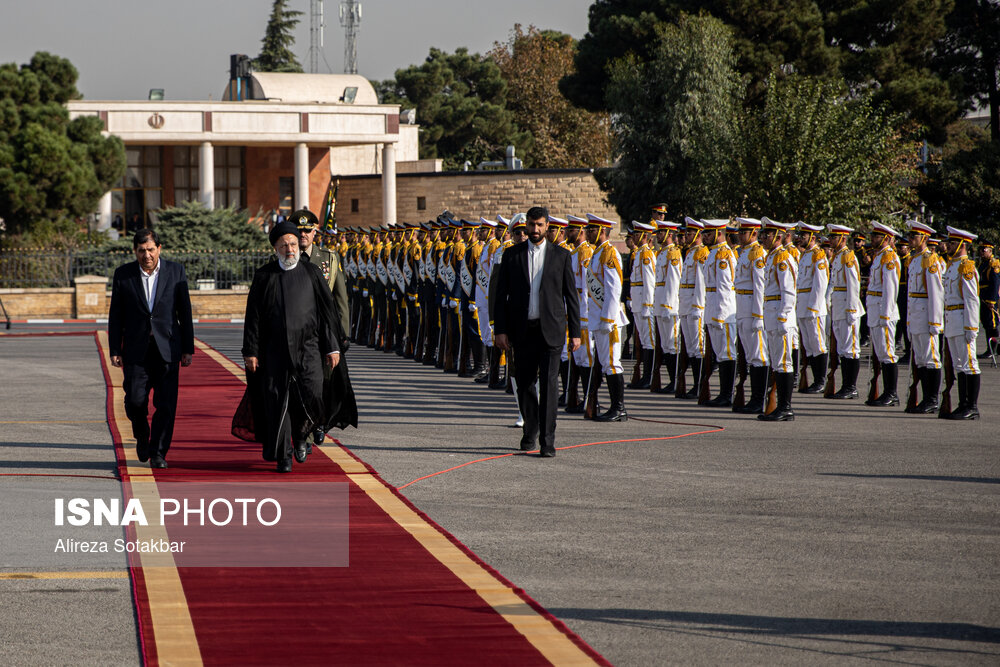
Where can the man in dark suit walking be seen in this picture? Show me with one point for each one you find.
(150, 334)
(536, 307)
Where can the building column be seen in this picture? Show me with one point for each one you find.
(206, 174)
(104, 212)
(389, 182)
(301, 176)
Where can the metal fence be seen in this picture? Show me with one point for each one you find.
(210, 269)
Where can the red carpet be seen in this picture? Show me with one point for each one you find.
(412, 594)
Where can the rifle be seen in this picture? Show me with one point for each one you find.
(803, 365)
(680, 379)
(876, 374)
(636, 371)
(949, 381)
(418, 343)
(704, 390)
(655, 381)
(831, 377)
(463, 344)
(771, 404)
(593, 384)
(739, 399)
(7, 317)
(911, 395)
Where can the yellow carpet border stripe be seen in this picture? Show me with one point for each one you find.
(173, 630)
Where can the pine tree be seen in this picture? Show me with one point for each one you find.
(275, 53)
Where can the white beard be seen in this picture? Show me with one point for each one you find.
(289, 263)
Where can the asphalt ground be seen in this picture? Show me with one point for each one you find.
(852, 535)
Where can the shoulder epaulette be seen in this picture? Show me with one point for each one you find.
(756, 252)
(995, 264)
(674, 252)
(725, 252)
(966, 268)
(700, 254)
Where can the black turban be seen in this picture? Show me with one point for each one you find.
(280, 230)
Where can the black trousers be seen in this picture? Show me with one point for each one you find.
(161, 377)
(535, 360)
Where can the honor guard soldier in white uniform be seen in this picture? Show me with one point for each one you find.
(666, 295)
(961, 321)
(845, 288)
(483, 268)
(779, 318)
(692, 300)
(720, 307)
(606, 316)
(556, 233)
(810, 304)
(750, 284)
(925, 314)
(883, 309)
(583, 356)
(643, 283)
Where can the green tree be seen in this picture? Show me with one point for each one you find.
(885, 46)
(963, 189)
(276, 47)
(970, 54)
(811, 154)
(52, 170)
(460, 99)
(675, 123)
(192, 226)
(563, 135)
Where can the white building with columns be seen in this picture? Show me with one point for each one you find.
(271, 144)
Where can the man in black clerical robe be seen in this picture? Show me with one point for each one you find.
(290, 331)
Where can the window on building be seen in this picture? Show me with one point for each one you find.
(421, 203)
(230, 186)
(354, 206)
(186, 179)
(286, 189)
(139, 194)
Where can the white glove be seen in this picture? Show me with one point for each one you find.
(472, 308)
(970, 336)
(757, 324)
(605, 327)
(444, 302)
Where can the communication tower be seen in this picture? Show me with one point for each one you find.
(350, 19)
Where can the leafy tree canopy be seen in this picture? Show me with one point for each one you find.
(52, 170)
(675, 122)
(460, 99)
(811, 154)
(885, 46)
(563, 135)
(276, 47)
(192, 227)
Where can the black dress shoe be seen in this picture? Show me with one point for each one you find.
(300, 452)
(527, 445)
(284, 465)
(158, 462)
(778, 416)
(547, 453)
(883, 401)
(845, 393)
(612, 415)
(318, 435)
(575, 409)
(720, 402)
(142, 451)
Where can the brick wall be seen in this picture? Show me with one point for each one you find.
(470, 194)
(61, 303)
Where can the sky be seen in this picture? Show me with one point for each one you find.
(122, 48)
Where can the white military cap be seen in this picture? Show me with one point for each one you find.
(714, 223)
(879, 228)
(488, 223)
(667, 224)
(643, 227)
(805, 227)
(919, 228)
(693, 224)
(502, 220)
(768, 223)
(599, 221)
(557, 222)
(960, 234)
(839, 229)
(748, 223)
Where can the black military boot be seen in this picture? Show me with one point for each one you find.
(647, 369)
(890, 374)
(758, 388)
(486, 359)
(818, 366)
(930, 381)
(494, 381)
(616, 413)
(971, 409)
(849, 378)
(727, 378)
(670, 362)
(695, 364)
(784, 386)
